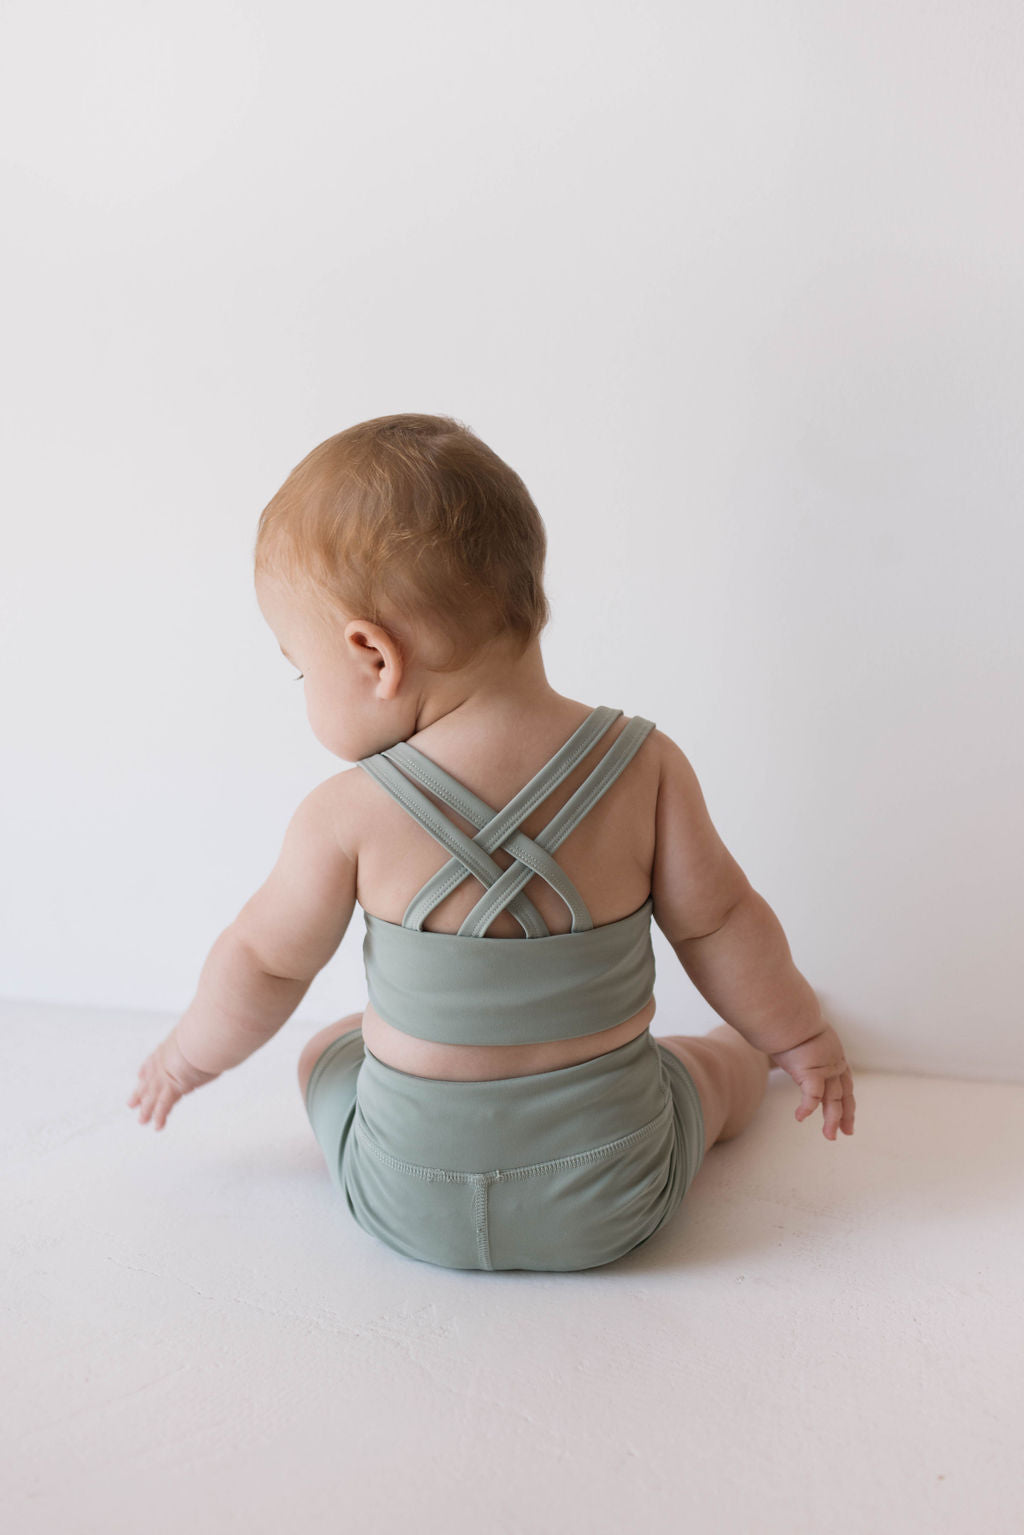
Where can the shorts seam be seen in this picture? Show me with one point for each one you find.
(447, 1175)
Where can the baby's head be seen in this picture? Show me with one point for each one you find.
(401, 561)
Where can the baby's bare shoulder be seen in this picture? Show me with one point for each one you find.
(342, 804)
(695, 878)
(671, 762)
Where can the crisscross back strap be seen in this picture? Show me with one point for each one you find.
(597, 783)
(498, 830)
(471, 855)
(466, 849)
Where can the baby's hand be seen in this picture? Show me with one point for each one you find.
(164, 1077)
(819, 1069)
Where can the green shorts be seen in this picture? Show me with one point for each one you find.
(560, 1170)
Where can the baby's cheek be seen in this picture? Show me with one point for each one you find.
(330, 731)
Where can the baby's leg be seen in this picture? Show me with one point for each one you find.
(730, 1076)
(315, 1047)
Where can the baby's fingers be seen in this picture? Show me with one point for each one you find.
(144, 1087)
(149, 1098)
(849, 1103)
(164, 1104)
(832, 1108)
(145, 1098)
(812, 1090)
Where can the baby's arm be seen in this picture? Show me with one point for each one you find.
(261, 966)
(733, 948)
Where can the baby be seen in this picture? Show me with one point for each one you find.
(496, 1104)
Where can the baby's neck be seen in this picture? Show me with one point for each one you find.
(479, 694)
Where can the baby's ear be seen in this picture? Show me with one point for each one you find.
(378, 647)
(367, 639)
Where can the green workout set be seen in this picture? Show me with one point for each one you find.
(559, 1170)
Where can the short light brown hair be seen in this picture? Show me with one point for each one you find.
(412, 514)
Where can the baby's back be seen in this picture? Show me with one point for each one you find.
(608, 857)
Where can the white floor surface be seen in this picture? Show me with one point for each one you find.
(198, 1338)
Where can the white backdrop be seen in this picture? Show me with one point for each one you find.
(735, 287)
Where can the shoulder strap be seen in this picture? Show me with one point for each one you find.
(597, 782)
(466, 849)
(471, 855)
(497, 829)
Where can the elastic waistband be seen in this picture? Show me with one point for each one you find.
(512, 1121)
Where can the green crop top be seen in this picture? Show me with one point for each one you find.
(467, 989)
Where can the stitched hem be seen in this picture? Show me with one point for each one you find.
(446, 1175)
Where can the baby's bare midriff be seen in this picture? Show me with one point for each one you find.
(479, 1063)
(608, 857)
